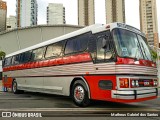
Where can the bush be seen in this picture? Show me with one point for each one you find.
(2, 55)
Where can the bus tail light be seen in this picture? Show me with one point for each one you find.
(124, 82)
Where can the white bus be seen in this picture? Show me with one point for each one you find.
(101, 62)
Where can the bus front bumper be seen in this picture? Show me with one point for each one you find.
(134, 94)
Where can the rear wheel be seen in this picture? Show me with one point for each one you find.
(80, 94)
(15, 89)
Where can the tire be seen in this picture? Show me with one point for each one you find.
(80, 94)
(14, 88)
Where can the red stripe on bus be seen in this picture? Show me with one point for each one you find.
(85, 57)
(133, 62)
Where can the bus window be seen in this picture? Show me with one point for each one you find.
(16, 59)
(100, 49)
(37, 54)
(77, 44)
(104, 47)
(54, 50)
(7, 61)
(25, 57)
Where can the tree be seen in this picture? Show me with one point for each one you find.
(154, 54)
(2, 55)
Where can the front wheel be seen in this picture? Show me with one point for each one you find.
(80, 94)
(15, 89)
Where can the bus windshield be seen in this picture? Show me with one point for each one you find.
(130, 44)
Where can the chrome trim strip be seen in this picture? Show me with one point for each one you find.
(146, 91)
(125, 97)
(123, 92)
(134, 95)
(146, 95)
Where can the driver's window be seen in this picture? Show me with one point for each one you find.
(100, 48)
(103, 48)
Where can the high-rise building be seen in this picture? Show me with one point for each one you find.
(3, 15)
(11, 22)
(26, 13)
(86, 15)
(115, 11)
(55, 14)
(148, 20)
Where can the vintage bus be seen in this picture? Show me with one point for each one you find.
(100, 62)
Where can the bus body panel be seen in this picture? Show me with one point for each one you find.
(100, 93)
(52, 85)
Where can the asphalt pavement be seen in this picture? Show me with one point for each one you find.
(61, 107)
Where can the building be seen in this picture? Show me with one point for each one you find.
(115, 11)
(3, 14)
(11, 22)
(86, 15)
(26, 13)
(55, 14)
(148, 20)
(17, 39)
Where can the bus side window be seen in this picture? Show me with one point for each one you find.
(25, 57)
(16, 59)
(37, 54)
(7, 61)
(77, 44)
(54, 50)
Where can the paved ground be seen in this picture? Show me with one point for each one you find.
(56, 106)
(61, 107)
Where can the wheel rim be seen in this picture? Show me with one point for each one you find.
(14, 87)
(79, 93)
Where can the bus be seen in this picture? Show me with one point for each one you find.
(110, 62)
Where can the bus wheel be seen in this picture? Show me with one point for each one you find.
(80, 94)
(14, 88)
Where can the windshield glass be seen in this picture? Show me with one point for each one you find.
(128, 44)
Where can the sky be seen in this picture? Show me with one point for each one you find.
(131, 11)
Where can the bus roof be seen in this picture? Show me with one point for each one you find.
(93, 28)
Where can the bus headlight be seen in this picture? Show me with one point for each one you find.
(137, 84)
(134, 83)
(155, 82)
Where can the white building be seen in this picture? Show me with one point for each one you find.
(26, 13)
(55, 14)
(11, 22)
(149, 21)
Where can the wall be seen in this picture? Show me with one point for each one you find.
(17, 39)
